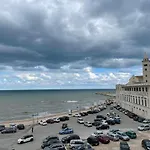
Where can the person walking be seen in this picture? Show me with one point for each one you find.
(32, 129)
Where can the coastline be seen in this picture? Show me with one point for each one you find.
(34, 120)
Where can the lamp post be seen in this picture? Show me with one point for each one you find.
(33, 119)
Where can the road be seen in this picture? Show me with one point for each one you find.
(40, 132)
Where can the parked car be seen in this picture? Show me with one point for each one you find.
(101, 116)
(146, 121)
(114, 131)
(104, 139)
(136, 118)
(56, 120)
(43, 123)
(83, 113)
(49, 140)
(87, 124)
(20, 127)
(66, 131)
(124, 145)
(123, 136)
(102, 127)
(144, 127)
(141, 119)
(80, 120)
(2, 127)
(93, 140)
(131, 134)
(51, 121)
(64, 118)
(112, 136)
(57, 146)
(110, 121)
(97, 133)
(13, 125)
(98, 119)
(9, 130)
(96, 123)
(74, 144)
(85, 146)
(25, 139)
(64, 125)
(117, 120)
(145, 144)
(77, 115)
(68, 138)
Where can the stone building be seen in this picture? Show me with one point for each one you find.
(135, 95)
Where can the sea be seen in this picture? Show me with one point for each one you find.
(23, 104)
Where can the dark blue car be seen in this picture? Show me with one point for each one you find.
(66, 131)
(117, 120)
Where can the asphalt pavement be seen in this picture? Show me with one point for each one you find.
(9, 141)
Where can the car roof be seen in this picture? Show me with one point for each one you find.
(144, 140)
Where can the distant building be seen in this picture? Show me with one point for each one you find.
(135, 95)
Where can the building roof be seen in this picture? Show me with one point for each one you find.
(139, 76)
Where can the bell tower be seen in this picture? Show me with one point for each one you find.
(146, 69)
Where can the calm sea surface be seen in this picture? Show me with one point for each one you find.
(23, 104)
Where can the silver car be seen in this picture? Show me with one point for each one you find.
(112, 136)
(74, 144)
(122, 136)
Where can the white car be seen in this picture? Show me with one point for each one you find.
(13, 125)
(76, 115)
(80, 120)
(88, 124)
(25, 139)
(104, 122)
(57, 120)
(97, 133)
(43, 123)
(144, 127)
(146, 121)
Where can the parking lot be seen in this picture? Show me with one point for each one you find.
(40, 132)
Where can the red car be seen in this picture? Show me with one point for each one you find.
(104, 139)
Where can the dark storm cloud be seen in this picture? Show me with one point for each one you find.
(56, 33)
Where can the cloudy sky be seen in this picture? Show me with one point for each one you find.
(72, 43)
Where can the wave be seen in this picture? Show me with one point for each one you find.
(72, 101)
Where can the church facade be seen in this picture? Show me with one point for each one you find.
(135, 95)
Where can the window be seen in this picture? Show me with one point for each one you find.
(143, 89)
(146, 80)
(145, 69)
(145, 65)
(145, 75)
(139, 89)
(136, 100)
(146, 89)
(145, 102)
(142, 100)
(139, 100)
